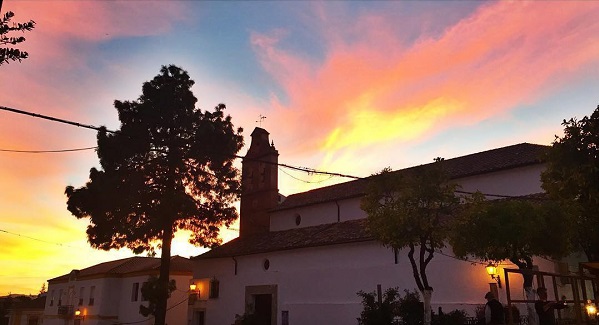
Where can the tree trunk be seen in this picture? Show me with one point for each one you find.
(426, 297)
(163, 279)
(532, 316)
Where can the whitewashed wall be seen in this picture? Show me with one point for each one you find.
(319, 285)
(517, 181)
(112, 301)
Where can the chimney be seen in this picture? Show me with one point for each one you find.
(259, 184)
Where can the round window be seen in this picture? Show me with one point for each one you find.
(266, 264)
(298, 219)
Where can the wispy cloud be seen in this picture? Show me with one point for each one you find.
(503, 55)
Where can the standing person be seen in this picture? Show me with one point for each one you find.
(493, 310)
(545, 308)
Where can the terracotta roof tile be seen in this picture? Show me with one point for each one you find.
(128, 265)
(518, 155)
(327, 234)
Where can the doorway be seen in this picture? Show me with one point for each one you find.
(263, 309)
(261, 301)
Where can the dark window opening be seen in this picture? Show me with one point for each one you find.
(214, 289)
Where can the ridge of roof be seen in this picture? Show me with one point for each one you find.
(128, 265)
(492, 160)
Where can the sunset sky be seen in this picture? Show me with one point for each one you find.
(347, 87)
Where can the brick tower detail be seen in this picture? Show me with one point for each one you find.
(259, 184)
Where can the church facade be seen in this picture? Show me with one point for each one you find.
(303, 259)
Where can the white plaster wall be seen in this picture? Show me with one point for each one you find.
(177, 304)
(517, 181)
(106, 301)
(112, 301)
(319, 285)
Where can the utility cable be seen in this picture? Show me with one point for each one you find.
(303, 169)
(87, 126)
(48, 151)
(36, 239)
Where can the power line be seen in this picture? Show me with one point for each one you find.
(305, 181)
(48, 151)
(46, 117)
(36, 239)
(303, 169)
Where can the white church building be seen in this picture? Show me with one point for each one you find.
(302, 260)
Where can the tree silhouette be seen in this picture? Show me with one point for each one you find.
(8, 54)
(510, 229)
(572, 179)
(168, 168)
(407, 210)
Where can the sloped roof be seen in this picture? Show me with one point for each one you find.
(326, 234)
(31, 304)
(513, 156)
(128, 265)
(519, 155)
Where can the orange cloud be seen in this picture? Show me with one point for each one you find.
(503, 55)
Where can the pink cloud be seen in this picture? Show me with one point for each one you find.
(372, 87)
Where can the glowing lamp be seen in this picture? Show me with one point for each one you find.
(492, 271)
(192, 287)
(591, 309)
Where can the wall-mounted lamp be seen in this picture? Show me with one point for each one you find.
(194, 292)
(79, 315)
(492, 271)
(591, 310)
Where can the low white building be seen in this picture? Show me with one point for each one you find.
(110, 293)
(302, 260)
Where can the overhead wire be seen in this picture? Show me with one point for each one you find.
(48, 151)
(36, 239)
(304, 169)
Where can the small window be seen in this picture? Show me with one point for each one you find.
(52, 298)
(298, 219)
(143, 297)
(81, 293)
(135, 291)
(214, 288)
(92, 291)
(266, 264)
(60, 297)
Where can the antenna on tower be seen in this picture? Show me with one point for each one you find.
(260, 119)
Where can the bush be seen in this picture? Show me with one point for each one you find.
(393, 310)
(454, 317)
(411, 309)
(376, 313)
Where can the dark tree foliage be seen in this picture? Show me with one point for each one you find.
(407, 210)
(168, 168)
(150, 291)
(572, 179)
(393, 309)
(410, 308)
(379, 313)
(509, 229)
(8, 54)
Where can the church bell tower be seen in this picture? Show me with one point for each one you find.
(259, 184)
